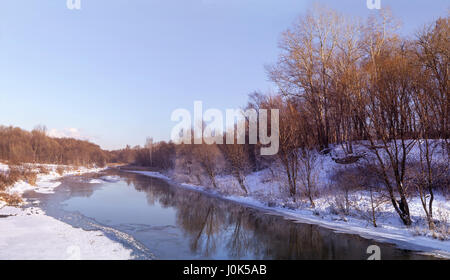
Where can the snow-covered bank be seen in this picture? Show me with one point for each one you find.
(151, 174)
(46, 183)
(27, 233)
(265, 193)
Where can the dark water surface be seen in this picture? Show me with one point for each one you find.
(162, 221)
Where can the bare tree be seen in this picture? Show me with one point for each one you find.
(237, 158)
(305, 65)
(210, 160)
(289, 152)
(433, 53)
(389, 111)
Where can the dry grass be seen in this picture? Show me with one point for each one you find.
(60, 170)
(15, 174)
(11, 199)
(3, 181)
(10, 178)
(30, 177)
(442, 226)
(44, 170)
(442, 230)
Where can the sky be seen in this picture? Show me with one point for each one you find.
(114, 71)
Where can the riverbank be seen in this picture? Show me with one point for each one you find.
(26, 232)
(264, 195)
(20, 227)
(29, 234)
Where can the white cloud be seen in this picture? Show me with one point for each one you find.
(67, 133)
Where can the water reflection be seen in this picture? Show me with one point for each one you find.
(214, 228)
(175, 223)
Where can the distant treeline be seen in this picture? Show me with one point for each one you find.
(160, 155)
(21, 146)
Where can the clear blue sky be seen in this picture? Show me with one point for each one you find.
(116, 69)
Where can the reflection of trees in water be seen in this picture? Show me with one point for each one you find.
(202, 221)
(73, 186)
(273, 237)
(240, 241)
(211, 223)
(286, 240)
(156, 190)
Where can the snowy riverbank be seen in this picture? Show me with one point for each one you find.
(46, 183)
(264, 193)
(28, 233)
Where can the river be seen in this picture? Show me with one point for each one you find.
(159, 220)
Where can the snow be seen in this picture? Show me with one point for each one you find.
(266, 193)
(30, 234)
(46, 183)
(151, 174)
(3, 167)
(95, 181)
(111, 179)
(27, 233)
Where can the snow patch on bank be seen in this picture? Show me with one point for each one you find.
(46, 183)
(150, 174)
(30, 234)
(4, 167)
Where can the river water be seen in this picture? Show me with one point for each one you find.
(158, 220)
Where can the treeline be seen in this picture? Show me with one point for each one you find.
(358, 81)
(21, 146)
(343, 81)
(160, 156)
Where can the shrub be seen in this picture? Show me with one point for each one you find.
(442, 230)
(44, 170)
(11, 199)
(345, 180)
(60, 170)
(3, 181)
(10, 178)
(16, 174)
(30, 177)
